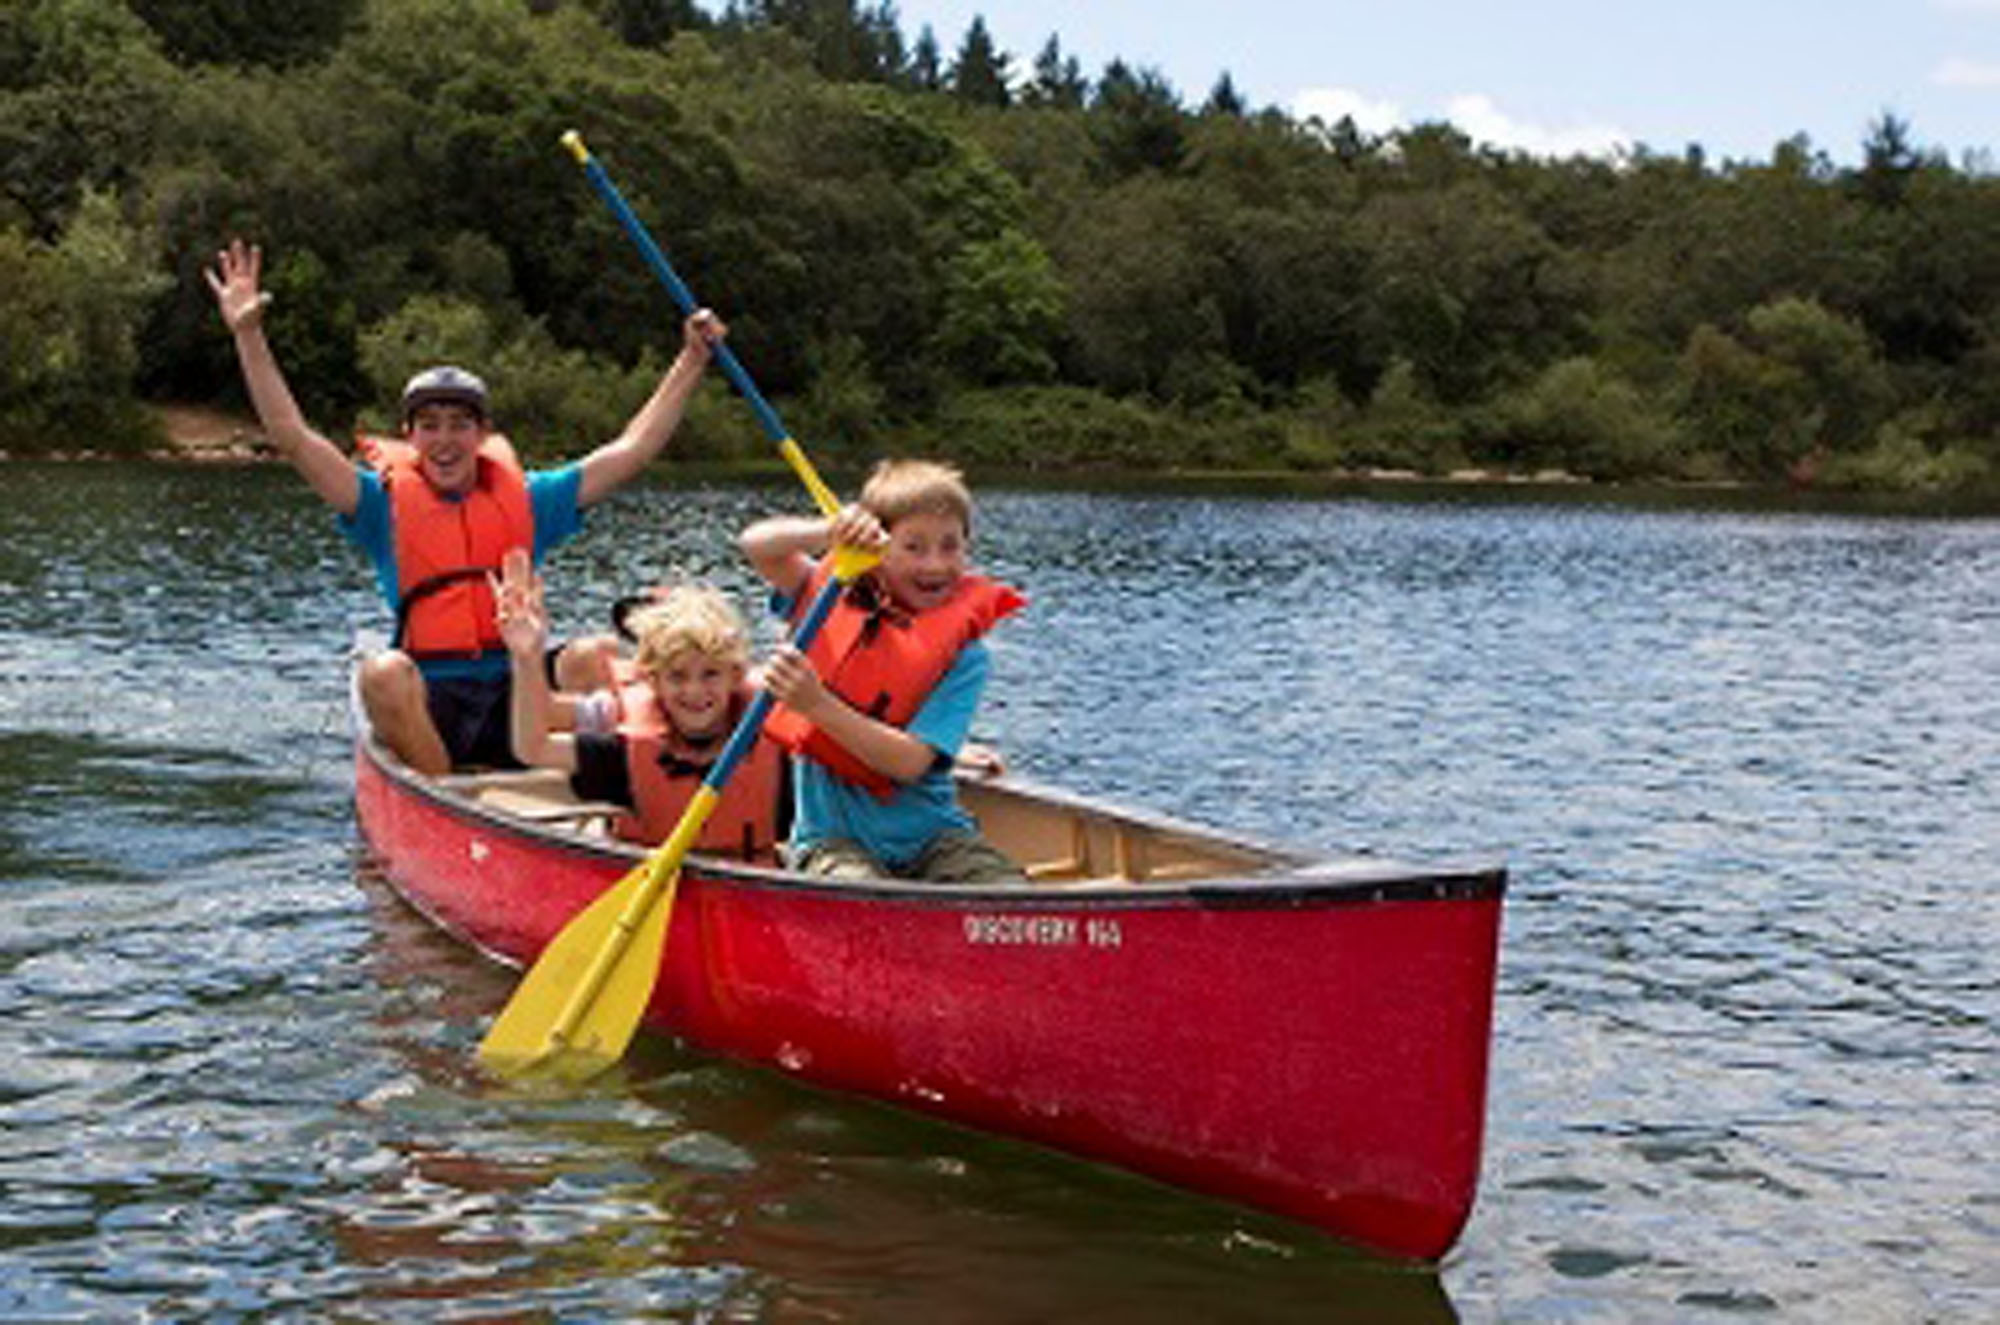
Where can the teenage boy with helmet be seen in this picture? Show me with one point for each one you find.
(436, 518)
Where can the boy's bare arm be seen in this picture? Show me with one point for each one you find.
(888, 750)
(781, 549)
(622, 459)
(524, 627)
(239, 297)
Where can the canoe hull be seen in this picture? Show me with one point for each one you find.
(1315, 1050)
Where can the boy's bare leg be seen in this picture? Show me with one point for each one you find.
(393, 696)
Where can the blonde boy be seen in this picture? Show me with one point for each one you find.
(666, 719)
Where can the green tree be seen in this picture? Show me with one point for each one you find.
(979, 76)
(1404, 426)
(1003, 312)
(926, 67)
(1143, 285)
(1224, 99)
(1889, 158)
(1581, 416)
(1839, 373)
(279, 33)
(1465, 286)
(86, 99)
(1137, 121)
(69, 321)
(1058, 83)
(653, 22)
(849, 43)
(1745, 408)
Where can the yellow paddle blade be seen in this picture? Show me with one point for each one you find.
(530, 1038)
(578, 1005)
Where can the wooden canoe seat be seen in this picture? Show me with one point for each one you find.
(552, 812)
(553, 784)
(1064, 869)
(539, 795)
(1130, 857)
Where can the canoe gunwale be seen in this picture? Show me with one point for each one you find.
(1298, 879)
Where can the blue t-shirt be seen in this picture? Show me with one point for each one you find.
(552, 496)
(896, 831)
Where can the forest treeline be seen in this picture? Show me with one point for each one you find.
(940, 246)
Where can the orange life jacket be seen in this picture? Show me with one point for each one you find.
(446, 547)
(664, 772)
(885, 662)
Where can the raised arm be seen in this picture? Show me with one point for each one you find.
(621, 460)
(524, 625)
(235, 279)
(782, 548)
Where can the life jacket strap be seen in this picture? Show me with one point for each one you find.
(423, 589)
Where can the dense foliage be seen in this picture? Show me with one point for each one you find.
(929, 244)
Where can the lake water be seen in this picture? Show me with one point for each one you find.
(1745, 767)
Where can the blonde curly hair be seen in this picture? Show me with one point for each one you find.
(690, 618)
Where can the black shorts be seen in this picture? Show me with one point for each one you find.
(475, 716)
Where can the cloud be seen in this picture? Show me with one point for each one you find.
(1330, 103)
(1484, 122)
(1475, 115)
(1967, 73)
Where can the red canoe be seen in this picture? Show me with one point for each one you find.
(1307, 1036)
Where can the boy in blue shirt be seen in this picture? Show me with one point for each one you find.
(437, 517)
(882, 703)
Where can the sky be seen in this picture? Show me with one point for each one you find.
(1552, 77)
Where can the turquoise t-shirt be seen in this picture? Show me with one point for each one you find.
(896, 831)
(552, 495)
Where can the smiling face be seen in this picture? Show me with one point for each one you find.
(924, 560)
(694, 690)
(447, 439)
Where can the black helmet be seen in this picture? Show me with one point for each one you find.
(444, 385)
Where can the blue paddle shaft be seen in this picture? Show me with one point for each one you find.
(766, 416)
(751, 724)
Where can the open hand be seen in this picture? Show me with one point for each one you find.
(235, 280)
(517, 595)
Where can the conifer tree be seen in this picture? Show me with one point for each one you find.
(980, 73)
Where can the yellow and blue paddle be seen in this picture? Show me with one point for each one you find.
(767, 417)
(579, 1004)
(576, 1009)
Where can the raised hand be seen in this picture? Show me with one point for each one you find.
(517, 596)
(235, 279)
(702, 331)
(856, 526)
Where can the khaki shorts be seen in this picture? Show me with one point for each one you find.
(952, 857)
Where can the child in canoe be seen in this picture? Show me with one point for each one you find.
(880, 705)
(665, 720)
